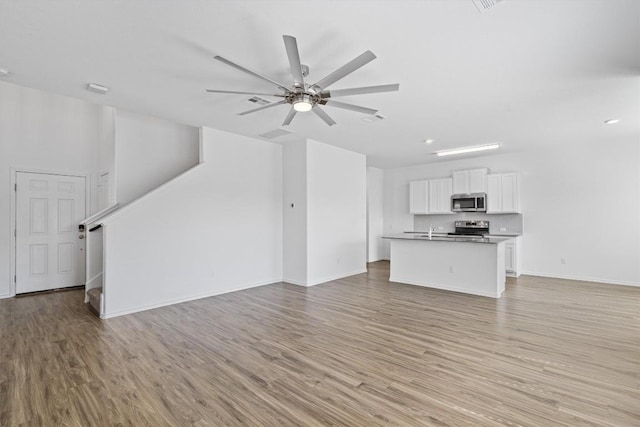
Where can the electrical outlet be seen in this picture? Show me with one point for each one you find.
(503, 228)
(440, 228)
(563, 260)
(451, 269)
(338, 261)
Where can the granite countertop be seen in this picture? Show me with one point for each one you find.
(440, 233)
(441, 237)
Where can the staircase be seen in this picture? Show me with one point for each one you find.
(95, 296)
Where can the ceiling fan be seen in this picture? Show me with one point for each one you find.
(305, 97)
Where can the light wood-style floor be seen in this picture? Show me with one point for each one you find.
(354, 352)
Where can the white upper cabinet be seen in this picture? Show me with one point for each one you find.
(419, 197)
(430, 196)
(440, 191)
(503, 193)
(470, 181)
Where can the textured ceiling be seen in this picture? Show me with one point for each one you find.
(523, 73)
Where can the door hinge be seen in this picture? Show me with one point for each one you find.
(15, 279)
(15, 187)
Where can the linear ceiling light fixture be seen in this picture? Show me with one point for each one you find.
(465, 150)
(4, 73)
(611, 121)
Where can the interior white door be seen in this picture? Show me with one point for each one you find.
(49, 247)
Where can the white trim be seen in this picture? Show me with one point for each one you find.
(583, 279)
(294, 282)
(108, 217)
(338, 277)
(90, 283)
(445, 288)
(14, 170)
(326, 279)
(100, 214)
(186, 299)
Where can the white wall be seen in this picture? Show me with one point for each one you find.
(375, 207)
(39, 130)
(581, 203)
(336, 212)
(149, 152)
(295, 217)
(107, 149)
(214, 229)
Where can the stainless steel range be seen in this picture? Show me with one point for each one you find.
(471, 228)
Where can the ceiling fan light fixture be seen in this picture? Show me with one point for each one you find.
(302, 103)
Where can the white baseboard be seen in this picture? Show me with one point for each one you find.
(325, 279)
(6, 296)
(294, 282)
(336, 277)
(186, 299)
(584, 279)
(445, 288)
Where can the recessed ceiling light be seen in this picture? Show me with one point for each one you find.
(429, 141)
(465, 150)
(4, 73)
(611, 121)
(93, 87)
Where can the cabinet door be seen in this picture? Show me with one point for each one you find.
(434, 193)
(418, 197)
(477, 181)
(510, 192)
(460, 182)
(510, 257)
(445, 191)
(494, 193)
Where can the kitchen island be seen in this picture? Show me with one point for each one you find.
(473, 265)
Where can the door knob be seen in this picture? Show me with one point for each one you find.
(81, 236)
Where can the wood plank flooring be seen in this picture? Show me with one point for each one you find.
(354, 352)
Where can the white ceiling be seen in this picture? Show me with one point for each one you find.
(523, 73)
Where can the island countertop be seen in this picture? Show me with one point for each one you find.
(447, 238)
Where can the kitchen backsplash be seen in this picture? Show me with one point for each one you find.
(511, 223)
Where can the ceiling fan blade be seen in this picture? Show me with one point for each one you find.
(264, 107)
(324, 116)
(290, 116)
(345, 70)
(253, 73)
(242, 93)
(351, 107)
(359, 90)
(293, 54)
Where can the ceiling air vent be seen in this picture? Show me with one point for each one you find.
(259, 101)
(484, 5)
(276, 133)
(375, 118)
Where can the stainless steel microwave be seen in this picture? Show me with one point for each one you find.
(474, 202)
